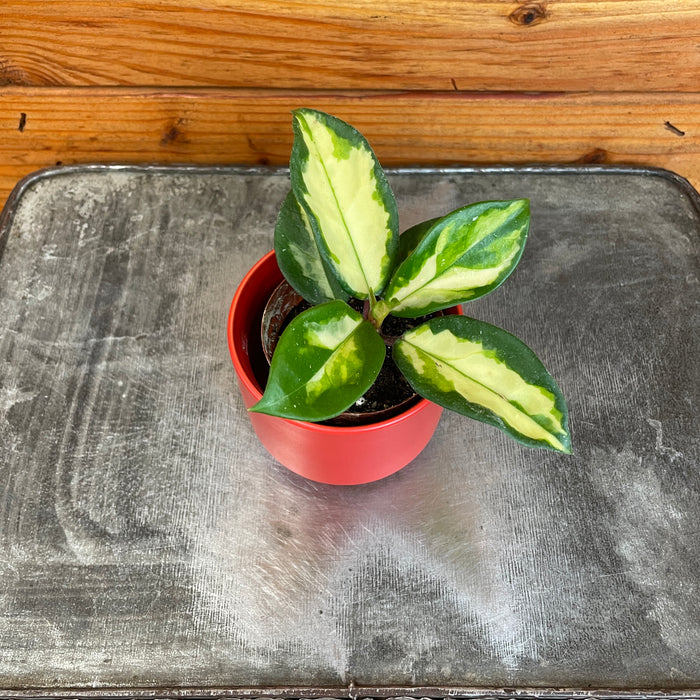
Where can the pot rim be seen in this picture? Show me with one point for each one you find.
(254, 389)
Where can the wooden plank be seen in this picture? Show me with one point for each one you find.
(42, 127)
(608, 45)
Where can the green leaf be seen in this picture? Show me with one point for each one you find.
(411, 237)
(464, 255)
(325, 360)
(299, 258)
(338, 181)
(486, 373)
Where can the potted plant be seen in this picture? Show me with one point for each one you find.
(337, 244)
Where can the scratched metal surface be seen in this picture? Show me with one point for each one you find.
(148, 541)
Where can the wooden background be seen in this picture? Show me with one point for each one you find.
(428, 81)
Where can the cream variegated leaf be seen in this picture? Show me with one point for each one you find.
(486, 373)
(464, 255)
(325, 360)
(299, 258)
(338, 181)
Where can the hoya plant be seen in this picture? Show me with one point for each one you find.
(337, 236)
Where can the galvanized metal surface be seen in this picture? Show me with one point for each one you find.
(147, 541)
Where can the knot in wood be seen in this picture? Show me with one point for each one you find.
(597, 155)
(529, 14)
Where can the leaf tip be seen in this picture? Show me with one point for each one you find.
(563, 445)
(259, 407)
(568, 449)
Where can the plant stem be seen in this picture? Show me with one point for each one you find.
(377, 313)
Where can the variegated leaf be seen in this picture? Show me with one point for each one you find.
(463, 256)
(325, 360)
(338, 181)
(485, 373)
(299, 258)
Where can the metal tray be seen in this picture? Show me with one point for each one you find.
(150, 547)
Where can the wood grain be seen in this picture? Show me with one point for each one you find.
(645, 45)
(44, 127)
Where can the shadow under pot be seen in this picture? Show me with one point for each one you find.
(368, 442)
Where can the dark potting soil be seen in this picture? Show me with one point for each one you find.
(390, 388)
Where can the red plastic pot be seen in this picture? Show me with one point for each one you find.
(329, 454)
